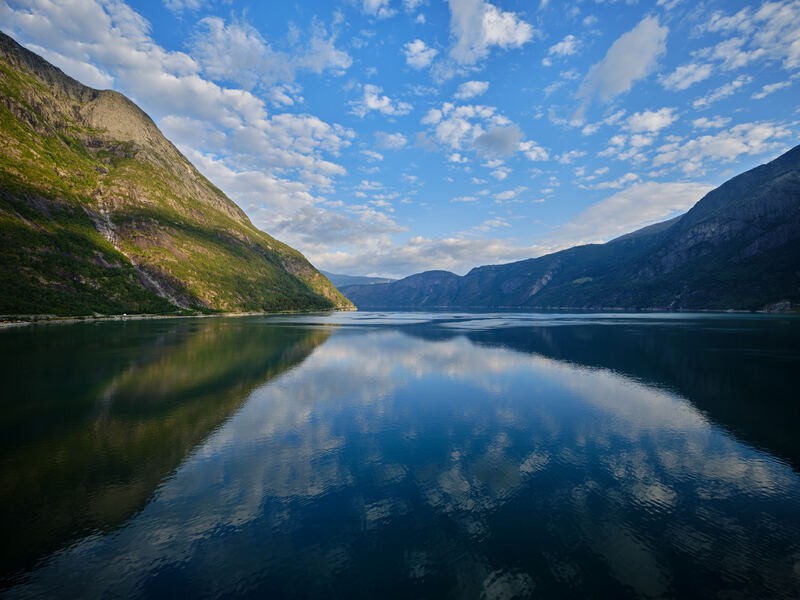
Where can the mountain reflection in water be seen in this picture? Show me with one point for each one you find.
(97, 415)
(453, 456)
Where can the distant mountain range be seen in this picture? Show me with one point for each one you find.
(100, 213)
(340, 280)
(737, 248)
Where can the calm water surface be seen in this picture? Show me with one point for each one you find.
(402, 455)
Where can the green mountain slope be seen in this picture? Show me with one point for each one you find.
(99, 213)
(737, 248)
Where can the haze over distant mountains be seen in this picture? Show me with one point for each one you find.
(100, 213)
(340, 280)
(737, 248)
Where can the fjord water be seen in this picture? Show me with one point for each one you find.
(403, 455)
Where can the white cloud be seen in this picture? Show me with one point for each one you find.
(533, 151)
(640, 205)
(612, 119)
(458, 127)
(651, 121)
(471, 89)
(453, 253)
(178, 6)
(771, 89)
(378, 8)
(413, 5)
(500, 173)
(476, 26)
(372, 156)
(391, 141)
(509, 195)
(418, 54)
(372, 100)
(633, 56)
(743, 139)
(569, 46)
(712, 123)
(567, 158)
(616, 184)
(84, 72)
(686, 76)
(489, 224)
(722, 92)
(238, 53)
(767, 33)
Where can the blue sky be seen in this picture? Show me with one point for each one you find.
(387, 137)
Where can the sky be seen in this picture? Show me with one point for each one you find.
(389, 137)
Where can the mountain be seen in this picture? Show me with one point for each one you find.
(100, 213)
(737, 248)
(340, 280)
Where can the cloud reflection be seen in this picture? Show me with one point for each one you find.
(379, 434)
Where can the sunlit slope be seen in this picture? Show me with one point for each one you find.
(100, 213)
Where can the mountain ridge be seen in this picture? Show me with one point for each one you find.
(738, 247)
(100, 213)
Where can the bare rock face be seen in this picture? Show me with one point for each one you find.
(100, 213)
(737, 248)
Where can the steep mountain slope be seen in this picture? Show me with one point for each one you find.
(100, 213)
(737, 248)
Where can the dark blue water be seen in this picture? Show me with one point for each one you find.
(403, 455)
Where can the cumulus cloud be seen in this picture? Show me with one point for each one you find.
(743, 139)
(500, 141)
(237, 52)
(769, 32)
(471, 89)
(372, 100)
(412, 5)
(477, 26)
(418, 54)
(533, 151)
(569, 46)
(639, 205)
(179, 6)
(712, 123)
(458, 127)
(616, 184)
(686, 76)
(633, 56)
(771, 89)
(391, 141)
(380, 9)
(722, 92)
(457, 253)
(651, 121)
(84, 72)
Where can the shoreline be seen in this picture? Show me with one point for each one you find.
(12, 321)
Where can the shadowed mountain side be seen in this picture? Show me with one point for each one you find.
(737, 248)
(133, 403)
(100, 213)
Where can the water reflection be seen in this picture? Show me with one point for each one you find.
(426, 462)
(96, 416)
